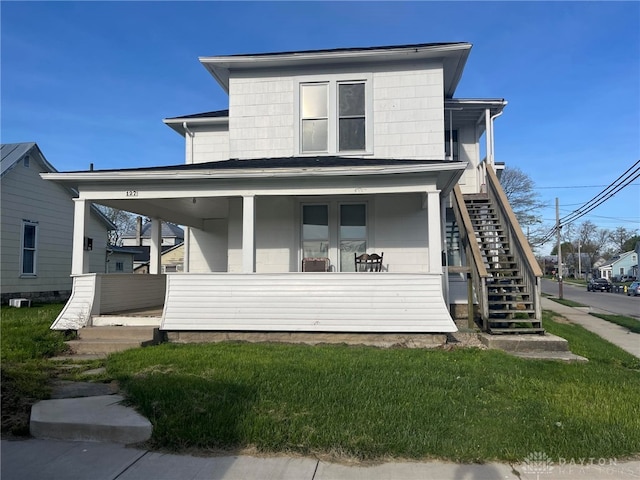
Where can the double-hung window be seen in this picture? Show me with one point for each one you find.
(28, 250)
(335, 116)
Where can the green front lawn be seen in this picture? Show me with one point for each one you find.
(26, 343)
(368, 403)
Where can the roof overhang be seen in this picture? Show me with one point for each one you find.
(471, 111)
(452, 55)
(182, 124)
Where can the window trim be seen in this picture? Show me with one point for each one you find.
(24, 274)
(332, 81)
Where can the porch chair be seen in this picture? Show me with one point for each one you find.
(320, 264)
(368, 262)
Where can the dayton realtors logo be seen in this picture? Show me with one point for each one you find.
(540, 464)
(537, 463)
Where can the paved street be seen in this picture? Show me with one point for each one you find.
(615, 303)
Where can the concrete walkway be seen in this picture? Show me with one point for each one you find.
(56, 460)
(611, 332)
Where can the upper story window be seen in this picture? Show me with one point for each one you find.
(335, 116)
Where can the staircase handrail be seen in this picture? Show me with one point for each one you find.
(525, 259)
(495, 190)
(475, 261)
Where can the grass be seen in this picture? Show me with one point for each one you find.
(26, 342)
(629, 323)
(367, 403)
(353, 402)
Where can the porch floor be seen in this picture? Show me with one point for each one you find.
(138, 312)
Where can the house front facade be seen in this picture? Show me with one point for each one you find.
(621, 267)
(320, 157)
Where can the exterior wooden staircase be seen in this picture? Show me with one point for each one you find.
(504, 273)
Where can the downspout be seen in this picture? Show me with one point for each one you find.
(492, 139)
(187, 233)
(191, 135)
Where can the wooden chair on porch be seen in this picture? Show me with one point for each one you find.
(368, 262)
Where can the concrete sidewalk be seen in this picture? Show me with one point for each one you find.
(34, 459)
(611, 332)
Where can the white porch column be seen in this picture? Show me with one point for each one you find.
(434, 232)
(155, 250)
(80, 256)
(248, 234)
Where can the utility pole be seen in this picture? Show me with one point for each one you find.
(558, 227)
(579, 262)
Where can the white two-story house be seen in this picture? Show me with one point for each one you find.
(320, 157)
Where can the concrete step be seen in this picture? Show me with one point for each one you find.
(98, 347)
(525, 343)
(96, 419)
(116, 333)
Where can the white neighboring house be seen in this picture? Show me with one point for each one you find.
(321, 156)
(37, 229)
(120, 259)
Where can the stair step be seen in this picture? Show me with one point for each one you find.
(116, 333)
(94, 347)
(516, 331)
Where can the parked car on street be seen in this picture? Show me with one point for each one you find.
(634, 289)
(599, 285)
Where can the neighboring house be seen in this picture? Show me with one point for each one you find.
(139, 240)
(37, 229)
(120, 259)
(322, 156)
(621, 265)
(172, 260)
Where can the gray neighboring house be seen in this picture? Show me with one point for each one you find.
(139, 240)
(37, 229)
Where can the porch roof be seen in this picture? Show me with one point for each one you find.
(187, 194)
(447, 172)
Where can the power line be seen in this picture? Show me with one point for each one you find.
(623, 181)
(580, 186)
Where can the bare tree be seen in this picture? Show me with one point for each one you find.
(520, 191)
(593, 241)
(621, 237)
(123, 220)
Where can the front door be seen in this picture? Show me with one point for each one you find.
(335, 230)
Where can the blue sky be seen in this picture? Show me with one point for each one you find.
(90, 82)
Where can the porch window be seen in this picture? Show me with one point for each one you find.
(315, 231)
(353, 234)
(335, 231)
(28, 251)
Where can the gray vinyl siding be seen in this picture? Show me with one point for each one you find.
(26, 196)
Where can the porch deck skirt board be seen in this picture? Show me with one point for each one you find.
(320, 302)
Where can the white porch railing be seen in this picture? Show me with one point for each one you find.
(98, 293)
(311, 302)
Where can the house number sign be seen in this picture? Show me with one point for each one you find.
(132, 193)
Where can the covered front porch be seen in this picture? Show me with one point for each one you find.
(246, 242)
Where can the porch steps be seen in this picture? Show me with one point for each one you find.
(511, 307)
(109, 339)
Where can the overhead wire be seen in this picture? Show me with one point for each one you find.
(624, 180)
